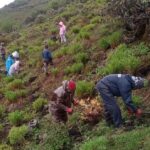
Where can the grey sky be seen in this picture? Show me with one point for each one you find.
(5, 2)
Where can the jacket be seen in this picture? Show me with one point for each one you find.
(62, 30)
(8, 63)
(122, 85)
(14, 68)
(46, 54)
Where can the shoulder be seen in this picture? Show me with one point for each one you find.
(59, 91)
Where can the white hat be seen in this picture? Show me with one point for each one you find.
(15, 54)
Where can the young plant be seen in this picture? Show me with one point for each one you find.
(17, 134)
(11, 96)
(104, 44)
(84, 88)
(16, 117)
(39, 104)
(81, 57)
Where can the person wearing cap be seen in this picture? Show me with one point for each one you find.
(62, 100)
(119, 85)
(15, 55)
(47, 58)
(14, 69)
(2, 51)
(62, 32)
(9, 62)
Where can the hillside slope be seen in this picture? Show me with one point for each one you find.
(95, 48)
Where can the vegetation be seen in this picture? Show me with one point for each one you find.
(17, 134)
(2, 110)
(84, 88)
(39, 103)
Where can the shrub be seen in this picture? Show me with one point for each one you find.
(39, 103)
(84, 88)
(84, 35)
(5, 147)
(8, 79)
(122, 59)
(88, 28)
(74, 48)
(95, 20)
(81, 57)
(76, 29)
(104, 44)
(16, 84)
(115, 38)
(2, 110)
(17, 134)
(10, 96)
(16, 117)
(99, 143)
(137, 100)
(142, 49)
(54, 71)
(61, 52)
(75, 68)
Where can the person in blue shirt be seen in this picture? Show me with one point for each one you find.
(9, 62)
(47, 59)
(119, 85)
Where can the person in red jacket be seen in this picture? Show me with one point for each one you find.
(62, 100)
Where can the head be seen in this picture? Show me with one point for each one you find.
(15, 55)
(46, 46)
(61, 23)
(69, 86)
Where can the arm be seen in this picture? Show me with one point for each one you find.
(126, 94)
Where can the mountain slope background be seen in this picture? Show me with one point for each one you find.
(95, 48)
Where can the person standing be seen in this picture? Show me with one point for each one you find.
(119, 85)
(47, 59)
(3, 51)
(62, 32)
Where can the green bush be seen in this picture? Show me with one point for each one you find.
(88, 28)
(17, 134)
(137, 100)
(5, 147)
(84, 35)
(75, 68)
(142, 49)
(38, 104)
(81, 57)
(75, 48)
(54, 71)
(16, 117)
(84, 88)
(61, 52)
(95, 20)
(16, 84)
(2, 110)
(122, 59)
(104, 44)
(11, 96)
(99, 143)
(8, 79)
(115, 38)
(76, 29)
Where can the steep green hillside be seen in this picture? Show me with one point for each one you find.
(95, 48)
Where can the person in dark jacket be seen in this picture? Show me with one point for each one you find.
(47, 58)
(119, 85)
(62, 99)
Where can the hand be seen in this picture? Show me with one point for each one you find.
(69, 110)
(138, 113)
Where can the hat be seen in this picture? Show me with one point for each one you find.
(71, 85)
(15, 54)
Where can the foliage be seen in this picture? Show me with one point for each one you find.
(2, 110)
(81, 57)
(76, 29)
(1, 127)
(122, 59)
(61, 52)
(7, 26)
(84, 88)
(142, 49)
(54, 71)
(104, 44)
(17, 134)
(38, 104)
(15, 117)
(75, 48)
(11, 96)
(5, 147)
(137, 100)
(83, 35)
(115, 38)
(8, 79)
(95, 20)
(75, 68)
(16, 84)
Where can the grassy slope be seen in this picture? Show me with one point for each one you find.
(85, 31)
